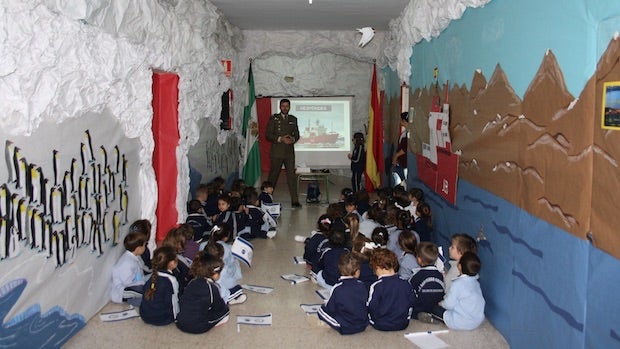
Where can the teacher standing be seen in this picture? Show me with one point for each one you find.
(283, 132)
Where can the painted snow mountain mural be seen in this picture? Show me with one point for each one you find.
(546, 153)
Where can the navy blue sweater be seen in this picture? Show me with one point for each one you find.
(201, 306)
(329, 264)
(428, 288)
(389, 303)
(159, 310)
(314, 249)
(346, 309)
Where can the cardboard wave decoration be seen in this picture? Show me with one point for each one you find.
(31, 329)
(545, 153)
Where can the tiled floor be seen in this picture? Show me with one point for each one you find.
(291, 328)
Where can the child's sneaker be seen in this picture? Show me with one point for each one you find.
(271, 233)
(427, 317)
(238, 300)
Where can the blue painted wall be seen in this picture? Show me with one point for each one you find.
(544, 287)
(516, 34)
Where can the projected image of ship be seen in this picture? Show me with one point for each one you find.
(318, 134)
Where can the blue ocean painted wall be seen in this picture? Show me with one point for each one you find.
(544, 287)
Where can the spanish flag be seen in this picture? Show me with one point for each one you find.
(374, 145)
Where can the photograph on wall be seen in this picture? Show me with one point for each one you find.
(611, 105)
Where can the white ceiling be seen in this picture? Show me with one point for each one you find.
(320, 15)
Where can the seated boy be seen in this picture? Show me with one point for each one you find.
(127, 274)
(266, 195)
(346, 310)
(254, 224)
(463, 307)
(390, 297)
(461, 243)
(427, 282)
(198, 220)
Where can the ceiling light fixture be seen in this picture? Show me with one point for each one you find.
(310, 2)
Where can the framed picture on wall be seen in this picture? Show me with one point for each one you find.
(610, 117)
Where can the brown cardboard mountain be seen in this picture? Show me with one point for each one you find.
(547, 154)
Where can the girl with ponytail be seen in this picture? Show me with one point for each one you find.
(160, 303)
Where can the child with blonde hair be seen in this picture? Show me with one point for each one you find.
(201, 306)
(160, 304)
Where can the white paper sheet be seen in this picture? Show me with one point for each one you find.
(427, 340)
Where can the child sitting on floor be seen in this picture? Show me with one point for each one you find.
(407, 261)
(346, 310)
(390, 298)
(232, 292)
(198, 220)
(201, 306)
(362, 250)
(317, 243)
(266, 195)
(160, 304)
(127, 274)
(328, 263)
(254, 224)
(461, 243)
(463, 306)
(427, 281)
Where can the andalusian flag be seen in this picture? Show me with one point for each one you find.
(251, 153)
(374, 145)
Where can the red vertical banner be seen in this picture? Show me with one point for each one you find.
(166, 136)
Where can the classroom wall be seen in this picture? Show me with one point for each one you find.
(546, 285)
(76, 79)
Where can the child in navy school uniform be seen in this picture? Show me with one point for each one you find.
(160, 304)
(266, 194)
(226, 215)
(423, 223)
(254, 224)
(317, 243)
(201, 307)
(362, 249)
(390, 298)
(427, 282)
(358, 161)
(346, 310)
(176, 239)
(328, 263)
(198, 220)
(463, 306)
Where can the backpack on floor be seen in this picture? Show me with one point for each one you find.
(313, 193)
